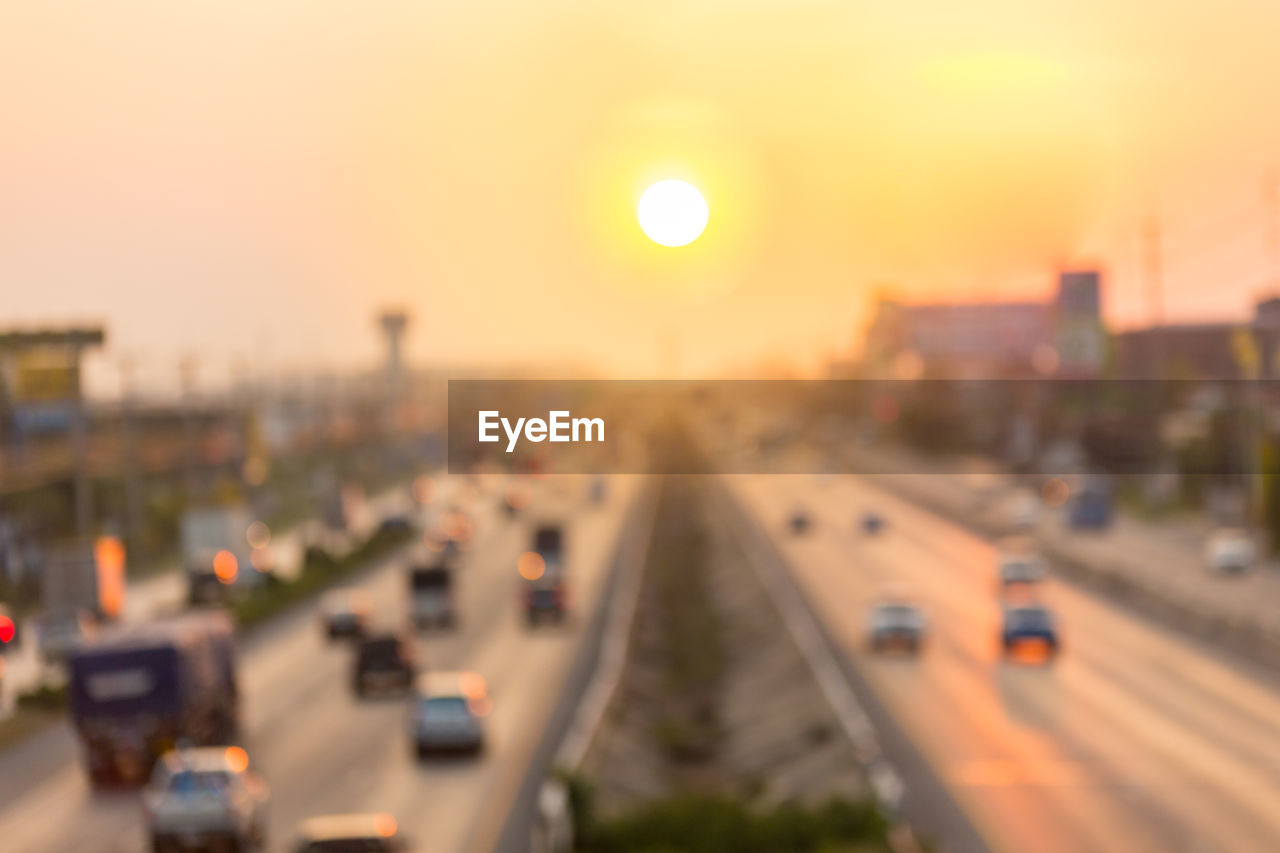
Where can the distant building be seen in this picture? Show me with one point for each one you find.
(992, 339)
(1203, 350)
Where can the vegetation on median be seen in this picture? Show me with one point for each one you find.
(691, 645)
(712, 823)
(319, 572)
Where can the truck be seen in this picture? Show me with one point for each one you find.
(69, 581)
(216, 554)
(431, 593)
(225, 550)
(545, 592)
(138, 691)
(80, 586)
(345, 522)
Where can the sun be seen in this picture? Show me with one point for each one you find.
(672, 213)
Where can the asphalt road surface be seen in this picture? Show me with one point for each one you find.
(1135, 739)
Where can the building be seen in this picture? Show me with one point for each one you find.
(1203, 350)
(1062, 337)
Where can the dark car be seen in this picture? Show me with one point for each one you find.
(547, 599)
(345, 613)
(384, 662)
(431, 599)
(1091, 508)
(1029, 625)
(799, 522)
(871, 523)
(545, 593)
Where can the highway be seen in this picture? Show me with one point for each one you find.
(323, 751)
(1135, 739)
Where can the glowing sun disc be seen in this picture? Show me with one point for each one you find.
(672, 213)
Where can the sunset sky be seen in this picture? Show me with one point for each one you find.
(253, 179)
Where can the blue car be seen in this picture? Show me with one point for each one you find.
(1029, 625)
(1091, 508)
(872, 523)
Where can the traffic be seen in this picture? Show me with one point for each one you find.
(1056, 718)
(181, 735)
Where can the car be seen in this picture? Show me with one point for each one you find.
(514, 501)
(384, 661)
(1091, 508)
(431, 599)
(61, 632)
(799, 522)
(896, 625)
(871, 523)
(1029, 627)
(1020, 570)
(545, 599)
(545, 592)
(1230, 551)
(598, 490)
(398, 523)
(449, 712)
(205, 799)
(345, 613)
(350, 833)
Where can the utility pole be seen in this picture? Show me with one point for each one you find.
(1153, 267)
(186, 382)
(79, 451)
(128, 426)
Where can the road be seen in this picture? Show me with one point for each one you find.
(323, 751)
(1135, 739)
(1159, 563)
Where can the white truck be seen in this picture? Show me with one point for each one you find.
(225, 550)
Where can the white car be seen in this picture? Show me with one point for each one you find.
(897, 624)
(206, 798)
(1230, 551)
(1021, 569)
(350, 833)
(448, 713)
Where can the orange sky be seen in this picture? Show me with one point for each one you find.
(252, 179)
